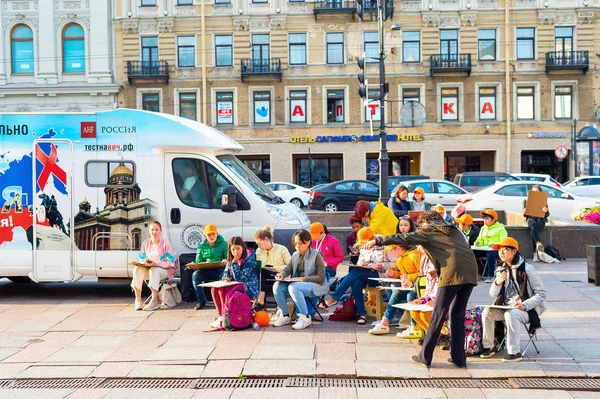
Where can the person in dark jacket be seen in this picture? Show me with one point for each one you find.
(398, 202)
(536, 223)
(456, 267)
(212, 249)
(465, 224)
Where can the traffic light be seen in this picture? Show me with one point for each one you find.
(360, 9)
(362, 90)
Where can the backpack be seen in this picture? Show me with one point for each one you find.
(237, 309)
(346, 312)
(550, 250)
(473, 331)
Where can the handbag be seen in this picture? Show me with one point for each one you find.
(169, 295)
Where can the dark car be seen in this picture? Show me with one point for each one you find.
(342, 195)
(473, 181)
(394, 181)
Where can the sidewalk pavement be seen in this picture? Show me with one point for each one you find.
(88, 329)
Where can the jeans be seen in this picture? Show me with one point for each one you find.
(411, 296)
(204, 276)
(535, 226)
(397, 297)
(492, 258)
(297, 291)
(357, 278)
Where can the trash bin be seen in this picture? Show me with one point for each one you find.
(593, 264)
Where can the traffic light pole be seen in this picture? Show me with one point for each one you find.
(383, 153)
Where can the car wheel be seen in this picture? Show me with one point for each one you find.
(20, 279)
(297, 202)
(331, 207)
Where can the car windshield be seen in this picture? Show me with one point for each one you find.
(247, 176)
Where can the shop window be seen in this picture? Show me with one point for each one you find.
(262, 107)
(73, 49)
(450, 104)
(525, 43)
(225, 108)
(411, 46)
(297, 48)
(486, 40)
(487, 103)
(335, 106)
(187, 105)
(310, 172)
(525, 103)
(260, 167)
(335, 48)
(22, 49)
(298, 106)
(563, 102)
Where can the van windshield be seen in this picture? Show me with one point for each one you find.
(247, 176)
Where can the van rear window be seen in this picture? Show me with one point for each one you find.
(101, 173)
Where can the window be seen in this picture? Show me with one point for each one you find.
(260, 53)
(449, 44)
(310, 172)
(563, 39)
(262, 107)
(427, 187)
(185, 51)
(22, 49)
(373, 110)
(367, 188)
(151, 102)
(563, 102)
(525, 103)
(222, 1)
(149, 54)
(260, 167)
(148, 3)
(525, 43)
(487, 44)
(335, 48)
(346, 186)
(98, 173)
(411, 94)
(445, 188)
(136, 234)
(515, 190)
(297, 48)
(371, 46)
(198, 183)
(298, 106)
(411, 46)
(185, 2)
(225, 108)
(187, 105)
(335, 105)
(450, 104)
(552, 192)
(260, 1)
(224, 50)
(487, 103)
(73, 49)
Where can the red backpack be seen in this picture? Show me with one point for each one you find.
(346, 312)
(237, 310)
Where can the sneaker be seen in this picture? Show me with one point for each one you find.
(444, 343)
(200, 305)
(512, 358)
(152, 305)
(362, 320)
(535, 257)
(410, 333)
(489, 280)
(138, 304)
(282, 321)
(487, 352)
(217, 323)
(379, 329)
(302, 323)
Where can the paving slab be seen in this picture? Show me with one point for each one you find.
(239, 351)
(11, 370)
(151, 393)
(113, 369)
(166, 371)
(329, 351)
(336, 368)
(570, 332)
(35, 393)
(89, 393)
(283, 352)
(21, 341)
(181, 353)
(192, 340)
(396, 353)
(591, 369)
(276, 393)
(106, 341)
(561, 368)
(56, 372)
(334, 337)
(80, 354)
(526, 393)
(269, 368)
(32, 354)
(223, 368)
(378, 369)
(223, 393)
(401, 393)
(337, 393)
(463, 393)
(581, 349)
(583, 395)
(285, 335)
(496, 368)
(4, 353)
(122, 324)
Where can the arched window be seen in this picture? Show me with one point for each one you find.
(21, 39)
(73, 49)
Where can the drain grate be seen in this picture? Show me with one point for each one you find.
(57, 384)
(147, 383)
(5, 384)
(573, 384)
(333, 383)
(216, 383)
(447, 383)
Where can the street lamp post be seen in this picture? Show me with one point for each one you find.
(384, 160)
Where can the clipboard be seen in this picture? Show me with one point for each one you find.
(394, 288)
(536, 200)
(386, 279)
(219, 284)
(504, 307)
(142, 264)
(204, 265)
(486, 249)
(414, 307)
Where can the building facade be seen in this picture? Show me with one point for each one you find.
(57, 56)
(501, 81)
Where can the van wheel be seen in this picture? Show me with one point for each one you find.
(20, 279)
(331, 207)
(297, 202)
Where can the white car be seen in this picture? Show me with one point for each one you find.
(537, 177)
(437, 191)
(290, 192)
(585, 186)
(509, 196)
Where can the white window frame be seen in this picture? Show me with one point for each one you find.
(499, 101)
(178, 91)
(272, 103)
(308, 105)
(213, 105)
(461, 101)
(149, 90)
(324, 90)
(574, 99)
(536, 101)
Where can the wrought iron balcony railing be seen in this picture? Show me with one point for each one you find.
(148, 70)
(450, 63)
(261, 67)
(567, 60)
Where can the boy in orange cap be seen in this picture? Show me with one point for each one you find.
(491, 233)
(465, 224)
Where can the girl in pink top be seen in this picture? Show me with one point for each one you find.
(328, 245)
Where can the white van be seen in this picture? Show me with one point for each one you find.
(87, 185)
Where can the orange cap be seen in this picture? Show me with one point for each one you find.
(419, 190)
(507, 242)
(315, 230)
(365, 234)
(464, 219)
(489, 212)
(210, 228)
(439, 208)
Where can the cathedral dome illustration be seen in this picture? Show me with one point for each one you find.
(121, 175)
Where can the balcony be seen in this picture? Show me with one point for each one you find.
(148, 70)
(269, 68)
(450, 63)
(567, 60)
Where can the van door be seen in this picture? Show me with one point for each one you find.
(53, 184)
(193, 188)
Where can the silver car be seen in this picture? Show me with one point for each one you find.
(437, 191)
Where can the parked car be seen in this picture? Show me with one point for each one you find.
(291, 192)
(473, 181)
(509, 196)
(585, 186)
(342, 195)
(538, 177)
(437, 191)
(394, 181)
